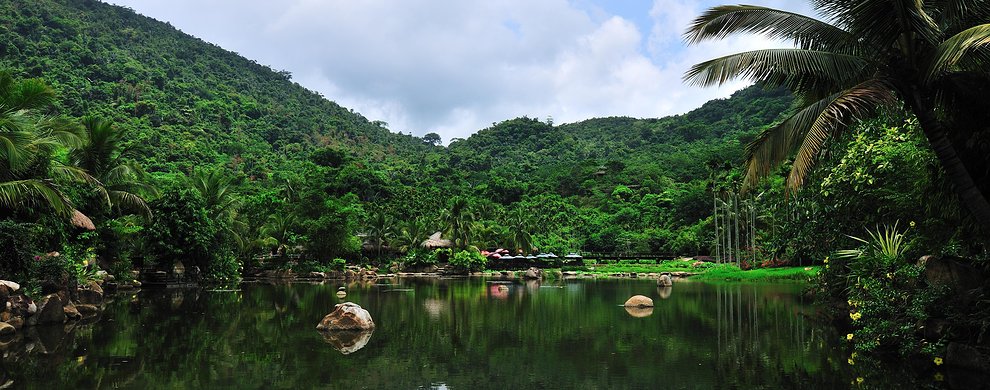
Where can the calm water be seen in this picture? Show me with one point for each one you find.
(458, 334)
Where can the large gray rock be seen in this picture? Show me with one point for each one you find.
(50, 310)
(6, 329)
(347, 316)
(953, 273)
(639, 301)
(90, 294)
(533, 273)
(665, 281)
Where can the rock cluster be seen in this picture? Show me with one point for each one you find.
(65, 305)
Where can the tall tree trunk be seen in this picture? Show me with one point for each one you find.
(962, 180)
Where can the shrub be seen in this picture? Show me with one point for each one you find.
(18, 245)
(468, 261)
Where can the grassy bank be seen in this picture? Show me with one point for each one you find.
(707, 272)
(731, 273)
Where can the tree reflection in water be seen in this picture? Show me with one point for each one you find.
(463, 333)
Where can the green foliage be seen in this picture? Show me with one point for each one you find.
(18, 246)
(468, 261)
(183, 230)
(886, 296)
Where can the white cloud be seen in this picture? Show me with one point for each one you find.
(456, 66)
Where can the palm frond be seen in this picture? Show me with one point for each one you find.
(19, 193)
(124, 200)
(956, 48)
(806, 32)
(797, 69)
(809, 128)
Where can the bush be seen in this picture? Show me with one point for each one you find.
(468, 261)
(18, 245)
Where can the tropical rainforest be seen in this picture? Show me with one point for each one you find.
(127, 143)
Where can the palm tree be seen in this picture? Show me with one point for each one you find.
(102, 155)
(411, 234)
(458, 220)
(519, 231)
(217, 189)
(867, 56)
(28, 138)
(379, 229)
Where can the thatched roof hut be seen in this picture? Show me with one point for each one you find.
(435, 241)
(81, 221)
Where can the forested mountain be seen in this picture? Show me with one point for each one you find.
(183, 101)
(261, 163)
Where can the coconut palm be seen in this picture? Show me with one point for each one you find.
(411, 234)
(379, 228)
(458, 220)
(217, 189)
(102, 155)
(864, 57)
(28, 138)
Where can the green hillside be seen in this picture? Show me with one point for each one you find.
(260, 164)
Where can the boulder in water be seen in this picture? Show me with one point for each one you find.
(665, 281)
(534, 273)
(347, 316)
(639, 301)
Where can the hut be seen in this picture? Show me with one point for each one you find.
(81, 221)
(436, 241)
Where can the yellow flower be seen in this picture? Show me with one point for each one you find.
(826, 260)
(851, 362)
(859, 380)
(855, 316)
(938, 361)
(851, 303)
(853, 355)
(85, 263)
(849, 336)
(890, 276)
(912, 224)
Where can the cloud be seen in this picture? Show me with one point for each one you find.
(456, 66)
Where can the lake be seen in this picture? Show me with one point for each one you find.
(448, 333)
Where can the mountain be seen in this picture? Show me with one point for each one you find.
(186, 102)
(602, 184)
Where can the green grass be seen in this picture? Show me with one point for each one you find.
(709, 272)
(728, 272)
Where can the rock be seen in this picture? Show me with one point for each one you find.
(533, 273)
(347, 316)
(639, 301)
(87, 310)
(341, 294)
(6, 329)
(348, 341)
(21, 305)
(49, 310)
(639, 312)
(665, 281)
(317, 275)
(350, 274)
(10, 285)
(341, 288)
(71, 313)
(16, 322)
(965, 356)
(951, 272)
(697, 264)
(91, 294)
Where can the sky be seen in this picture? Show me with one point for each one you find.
(454, 67)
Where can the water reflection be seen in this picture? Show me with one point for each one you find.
(461, 333)
(347, 341)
